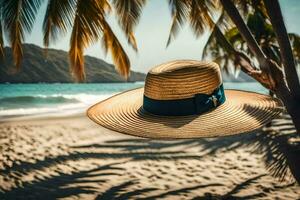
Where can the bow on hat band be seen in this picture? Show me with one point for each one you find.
(196, 105)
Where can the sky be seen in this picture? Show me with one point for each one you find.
(152, 34)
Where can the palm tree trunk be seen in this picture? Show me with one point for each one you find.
(293, 108)
(274, 12)
(293, 161)
(282, 91)
(292, 155)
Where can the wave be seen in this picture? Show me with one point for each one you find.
(40, 104)
(69, 109)
(53, 99)
(24, 100)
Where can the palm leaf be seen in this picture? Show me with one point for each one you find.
(218, 46)
(243, 6)
(201, 14)
(86, 30)
(180, 12)
(18, 18)
(295, 42)
(128, 14)
(234, 37)
(58, 18)
(89, 25)
(112, 44)
(249, 6)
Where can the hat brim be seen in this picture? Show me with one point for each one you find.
(242, 112)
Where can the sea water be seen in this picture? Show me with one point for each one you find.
(63, 99)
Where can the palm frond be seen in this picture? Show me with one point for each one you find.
(217, 45)
(89, 25)
(295, 42)
(201, 14)
(224, 22)
(86, 30)
(179, 12)
(128, 14)
(244, 6)
(234, 37)
(18, 18)
(250, 6)
(112, 44)
(58, 18)
(213, 43)
(222, 51)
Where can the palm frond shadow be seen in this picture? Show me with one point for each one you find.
(25, 167)
(273, 142)
(60, 185)
(180, 191)
(120, 191)
(233, 194)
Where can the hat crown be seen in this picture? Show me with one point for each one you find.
(182, 79)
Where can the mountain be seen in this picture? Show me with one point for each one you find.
(54, 68)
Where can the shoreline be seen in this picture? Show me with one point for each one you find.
(43, 116)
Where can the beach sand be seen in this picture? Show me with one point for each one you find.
(74, 158)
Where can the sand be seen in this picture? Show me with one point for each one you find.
(73, 158)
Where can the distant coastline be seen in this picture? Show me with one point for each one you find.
(37, 67)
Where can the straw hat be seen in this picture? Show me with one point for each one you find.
(185, 99)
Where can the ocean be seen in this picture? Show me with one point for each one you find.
(65, 99)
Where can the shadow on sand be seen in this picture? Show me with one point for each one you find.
(272, 143)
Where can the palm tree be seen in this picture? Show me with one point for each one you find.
(85, 18)
(276, 73)
(219, 46)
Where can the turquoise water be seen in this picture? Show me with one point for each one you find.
(30, 99)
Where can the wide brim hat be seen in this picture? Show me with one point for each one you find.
(158, 109)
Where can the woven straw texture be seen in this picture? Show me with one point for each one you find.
(182, 79)
(242, 112)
